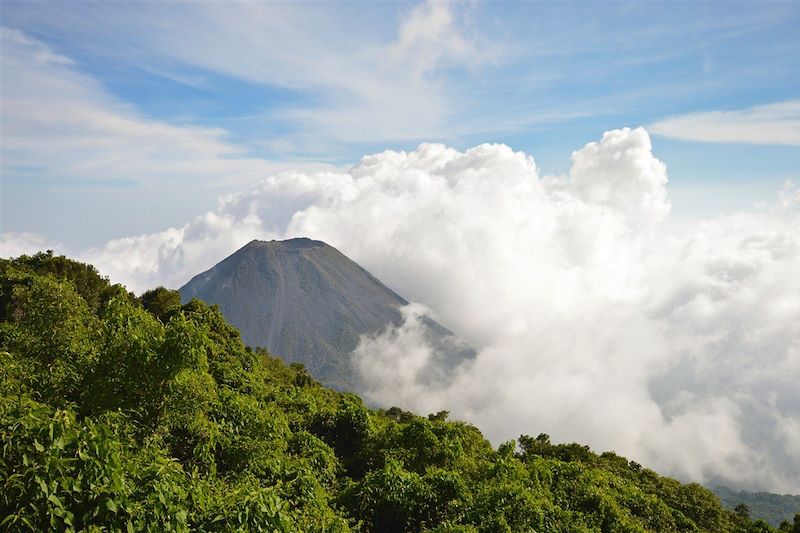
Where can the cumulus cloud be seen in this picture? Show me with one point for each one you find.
(594, 322)
(777, 123)
(16, 244)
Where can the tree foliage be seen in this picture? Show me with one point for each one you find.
(140, 414)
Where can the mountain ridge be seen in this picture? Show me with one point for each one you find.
(771, 507)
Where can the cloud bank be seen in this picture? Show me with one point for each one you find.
(593, 322)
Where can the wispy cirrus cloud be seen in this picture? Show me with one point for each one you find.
(777, 123)
(68, 126)
(383, 82)
(69, 145)
(333, 82)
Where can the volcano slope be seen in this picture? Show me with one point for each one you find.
(306, 302)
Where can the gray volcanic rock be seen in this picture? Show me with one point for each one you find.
(306, 302)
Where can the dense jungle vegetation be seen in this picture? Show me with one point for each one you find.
(125, 413)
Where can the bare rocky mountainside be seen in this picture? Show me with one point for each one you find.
(307, 302)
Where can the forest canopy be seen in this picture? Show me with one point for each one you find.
(125, 413)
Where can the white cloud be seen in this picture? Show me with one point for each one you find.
(16, 244)
(331, 76)
(64, 133)
(593, 322)
(765, 124)
(427, 37)
(381, 83)
(67, 126)
(166, 258)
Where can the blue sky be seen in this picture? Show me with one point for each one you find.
(121, 119)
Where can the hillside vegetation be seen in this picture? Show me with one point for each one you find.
(774, 508)
(120, 413)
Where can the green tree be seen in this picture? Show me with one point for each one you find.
(161, 302)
